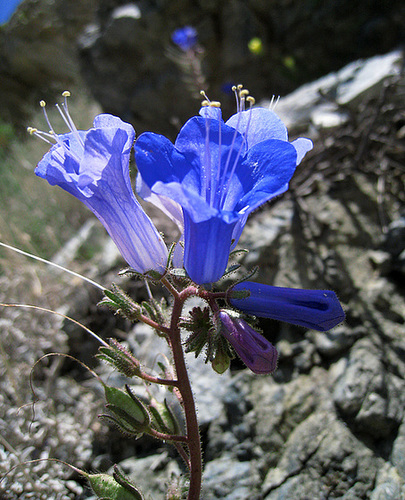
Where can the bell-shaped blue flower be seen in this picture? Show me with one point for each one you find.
(218, 173)
(314, 309)
(254, 350)
(93, 166)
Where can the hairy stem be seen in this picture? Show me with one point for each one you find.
(187, 398)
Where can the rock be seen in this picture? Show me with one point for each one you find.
(394, 244)
(151, 474)
(365, 395)
(321, 442)
(389, 484)
(226, 478)
(323, 102)
(336, 341)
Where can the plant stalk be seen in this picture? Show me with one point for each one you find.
(187, 397)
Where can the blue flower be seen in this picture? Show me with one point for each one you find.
(93, 166)
(314, 309)
(186, 38)
(255, 351)
(218, 173)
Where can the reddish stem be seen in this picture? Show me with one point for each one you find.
(187, 398)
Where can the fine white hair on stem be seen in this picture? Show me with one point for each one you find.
(50, 263)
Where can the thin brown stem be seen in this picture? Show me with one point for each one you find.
(157, 380)
(153, 324)
(167, 437)
(183, 453)
(187, 397)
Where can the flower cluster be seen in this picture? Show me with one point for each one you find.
(208, 182)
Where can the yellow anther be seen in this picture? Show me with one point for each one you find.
(251, 100)
(244, 93)
(42, 104)
(66, 93)
(215, 104)
(239, 87)
(233, 88)
(205, 103)
(31, 130)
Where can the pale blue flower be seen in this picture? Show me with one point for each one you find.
(93, 166)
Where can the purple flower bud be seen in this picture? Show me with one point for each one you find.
(186, 38)
(254, 350)
(315, 309)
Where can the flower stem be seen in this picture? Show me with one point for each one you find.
(187, 398)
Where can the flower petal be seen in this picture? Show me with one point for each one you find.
(314, 309)
(265, 173)
(158, 160)
(259, 124)
(206, 248)
(302, 146)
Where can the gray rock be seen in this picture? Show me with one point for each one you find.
(321, 103)
(230, 479)
(363, 393)
(151, 474)
(321, 442)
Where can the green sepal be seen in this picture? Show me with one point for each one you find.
(153, 275)
(221, 358)
(120, 358)
(170, 255)
(200, 325)
(108, 488)
(239, 294)
(239, 251)
(124, 481)
(126, 406)
(121, 425)
(231, 269)
(163, 419)
(121, 303)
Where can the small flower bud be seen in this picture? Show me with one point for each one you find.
(255, 351)
(120, 358)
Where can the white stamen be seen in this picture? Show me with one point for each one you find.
(52, 135)
(225, 186)
(273, 102)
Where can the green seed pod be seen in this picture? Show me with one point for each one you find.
(107, 488)
(126, 405)
(164, 419)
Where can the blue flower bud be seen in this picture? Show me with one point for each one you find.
(314, 309)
